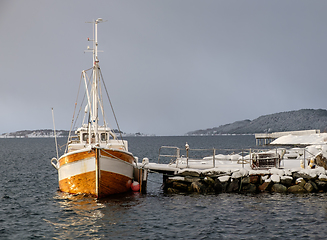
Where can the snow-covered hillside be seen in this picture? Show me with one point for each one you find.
(278, 122)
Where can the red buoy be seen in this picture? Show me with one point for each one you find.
(135, 186)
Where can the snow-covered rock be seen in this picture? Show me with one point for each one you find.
(275, 178)
(224, 178)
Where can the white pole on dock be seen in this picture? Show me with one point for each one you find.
(55, 135)
(214, 158)
(187, 147)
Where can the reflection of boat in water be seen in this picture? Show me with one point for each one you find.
(79, 216)
(96, 162)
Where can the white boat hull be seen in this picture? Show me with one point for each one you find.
(97, 172)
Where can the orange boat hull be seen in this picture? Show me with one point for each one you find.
(96, 172)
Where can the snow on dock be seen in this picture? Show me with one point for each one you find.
(295, 170)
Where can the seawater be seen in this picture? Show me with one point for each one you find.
(31, 207)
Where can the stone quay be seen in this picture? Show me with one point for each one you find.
(215, 181)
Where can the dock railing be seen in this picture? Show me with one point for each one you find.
(256, 158)
(173, 156)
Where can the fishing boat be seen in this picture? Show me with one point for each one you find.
(95, 161)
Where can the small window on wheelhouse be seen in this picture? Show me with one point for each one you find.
(85, 136)
(104, 137)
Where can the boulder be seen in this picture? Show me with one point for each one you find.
(286, 180)
(224, 178)
(321, 161)
(197, 187)
(218, 187)
(191, 179)
(322, 177)
(171, 180)
(259, 172)
(233, 186)
(255, 179)
(303, 175)
(245, 180)
(265, 186)
(278, 188)
(275, 178)
(313, 173)
(172, 190)
(314, 185)
(241, 173)
(224, 186)
(322, 185)
(180, 186)
(308, 187)
(212, 172)
(209, 181)
(300, 181)
(189, 172)
(296, 189)
(249, 188)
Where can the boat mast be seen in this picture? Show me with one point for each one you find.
(96, 76)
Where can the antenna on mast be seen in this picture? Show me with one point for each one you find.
(94, 40)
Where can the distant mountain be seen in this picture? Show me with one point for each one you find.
(304, 119)
(48, 133)
(43, 133)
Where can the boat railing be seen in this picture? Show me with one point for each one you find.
(73, 139)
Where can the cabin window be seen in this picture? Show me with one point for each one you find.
(85, 136)
(104, 137)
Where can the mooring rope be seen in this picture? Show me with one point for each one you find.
(112, 155)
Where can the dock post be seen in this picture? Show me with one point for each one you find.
(140, 175)
(250, 158)
(144, 180)
(187, 147)
(213, 158)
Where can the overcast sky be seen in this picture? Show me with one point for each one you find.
(170, 66)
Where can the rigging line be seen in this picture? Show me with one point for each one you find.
(85, 93)
(100, 100)
(60, 146)
(72, 123)
(105, 87)
(80, 109)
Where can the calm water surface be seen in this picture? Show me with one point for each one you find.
(31, 207)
